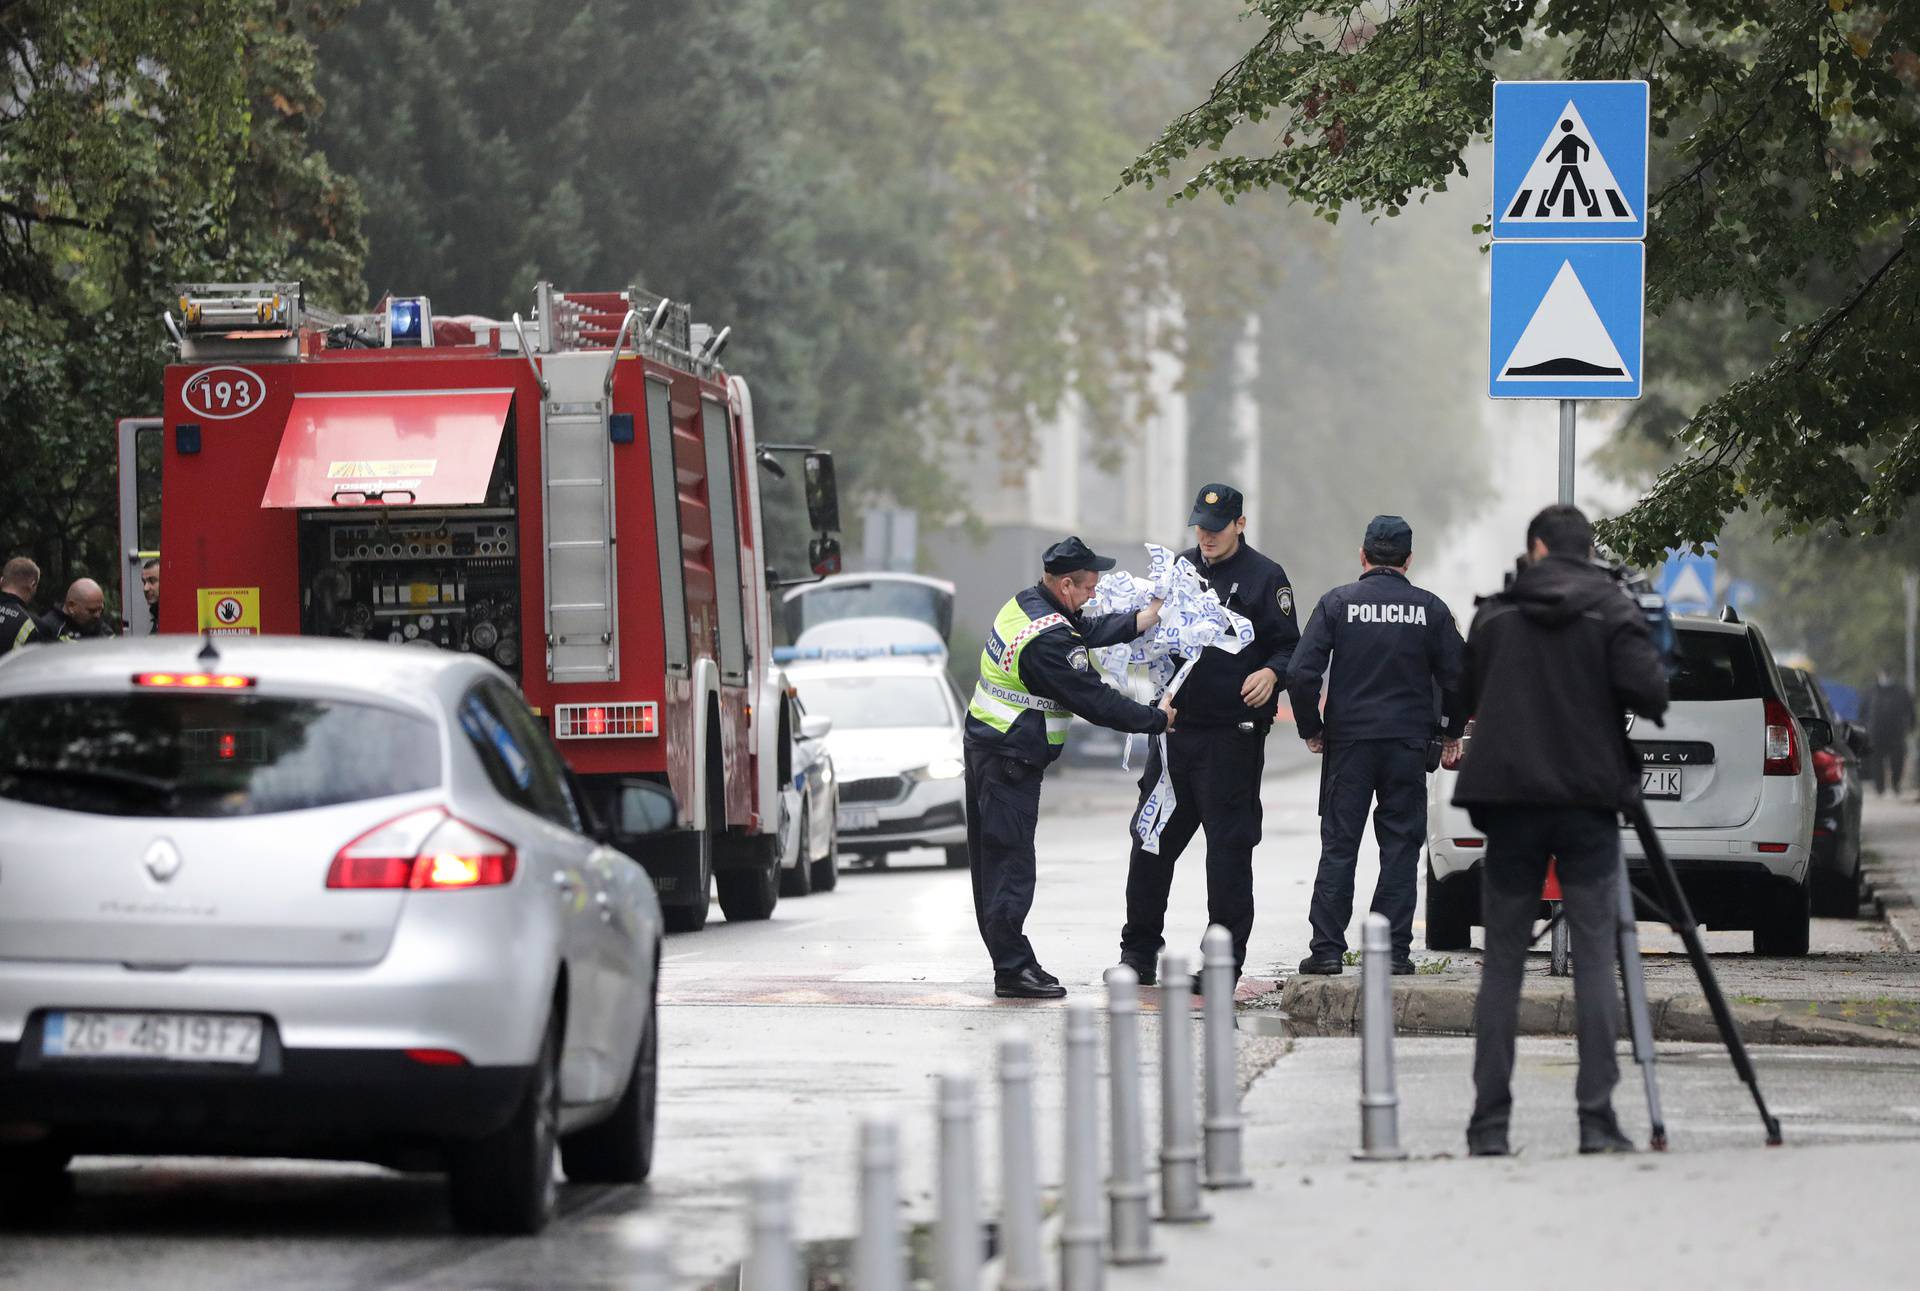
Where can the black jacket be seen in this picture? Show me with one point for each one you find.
(18, 626)
(1396, 663)
(1255, 587)
(1553, 663)
(58, 627)
(1888, 713)
(1054, 665)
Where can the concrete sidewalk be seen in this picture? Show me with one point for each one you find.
(1831, 1208)
(1891, 834)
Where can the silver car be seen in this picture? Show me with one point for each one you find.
(324, 899)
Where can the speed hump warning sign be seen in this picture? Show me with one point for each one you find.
(230, 611)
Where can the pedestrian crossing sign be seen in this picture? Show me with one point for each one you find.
(1566, 320)
(1570, 159)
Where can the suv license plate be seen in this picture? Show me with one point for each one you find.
(1663, 782)
(166, 1037)
(857, 820)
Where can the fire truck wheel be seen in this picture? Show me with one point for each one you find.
(692, 917)
(798, 881)
(747, 895)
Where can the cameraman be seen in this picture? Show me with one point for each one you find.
(1552, 663)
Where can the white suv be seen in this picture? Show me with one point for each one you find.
(1728, 783)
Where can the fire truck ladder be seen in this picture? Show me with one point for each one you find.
(576, 479)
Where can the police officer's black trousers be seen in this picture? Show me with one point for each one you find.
(1003, 807)
(1585, 845)
(1391, 777)
(1216, 786)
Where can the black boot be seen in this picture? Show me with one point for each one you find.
(1600, 1132)
(1027, 984)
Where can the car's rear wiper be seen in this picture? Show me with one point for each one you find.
(99, 775)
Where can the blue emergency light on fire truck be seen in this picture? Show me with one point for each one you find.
(580, 497)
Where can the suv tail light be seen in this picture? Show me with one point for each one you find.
(424, 849)
(1783, 741)
(1827, 767)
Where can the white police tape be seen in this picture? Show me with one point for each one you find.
(1192, 619)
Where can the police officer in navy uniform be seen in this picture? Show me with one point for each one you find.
(1034, 677)
(1397, 658)
(1215, 759)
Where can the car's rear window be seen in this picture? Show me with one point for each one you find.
(1800, 696)
(147, 754)
(1716, 666)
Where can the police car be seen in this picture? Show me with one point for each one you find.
(895, 743)
(1728, 782)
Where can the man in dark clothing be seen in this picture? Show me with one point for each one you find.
(81, 617)
(1395, 665)
(18, 583)
(1215, 759)
(1889, 719)
(1553, 664)
(1034, 676)
(150, 589)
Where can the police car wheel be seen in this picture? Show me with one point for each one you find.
(798, 881)
(826, 870)
(1450, 910)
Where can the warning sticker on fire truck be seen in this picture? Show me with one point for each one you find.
(380, 470)
(230, 611)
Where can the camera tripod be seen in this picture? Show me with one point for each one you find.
(1669, 904)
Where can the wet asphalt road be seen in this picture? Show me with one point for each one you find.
(777, 1039)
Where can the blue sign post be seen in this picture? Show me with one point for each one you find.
(1570, 159)
(1566, 320)
(1569, 269)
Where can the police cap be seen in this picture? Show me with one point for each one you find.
(1070, 555)
(1389, 540)
(1216, 506)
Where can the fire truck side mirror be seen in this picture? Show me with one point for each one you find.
(823, 553)
(823, 497)
(643, 808)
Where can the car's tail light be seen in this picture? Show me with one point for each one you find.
(1783, 741)
(436, 1057)
(195, 680)
(1827, 767)
(424, 849)
(1771, 847)
(1469, 842)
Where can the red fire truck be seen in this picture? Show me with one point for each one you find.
(579, 498)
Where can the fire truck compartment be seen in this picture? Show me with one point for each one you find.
(412, 447)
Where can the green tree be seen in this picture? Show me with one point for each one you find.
(900, 206)
(1786, 182)
(140, 145)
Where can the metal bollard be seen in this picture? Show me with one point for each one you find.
(1081, 1231)
(772, 1263)
(879, 1260)
(958, 1249)
(1179, 1135)
(652, 1265)
(1020, 1265)
(1223, 1155)
(1379, 1103)
(1129, 1213)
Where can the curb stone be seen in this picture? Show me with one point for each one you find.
(1329, 1006)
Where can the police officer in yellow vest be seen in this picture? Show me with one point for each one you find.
(1034, 676)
